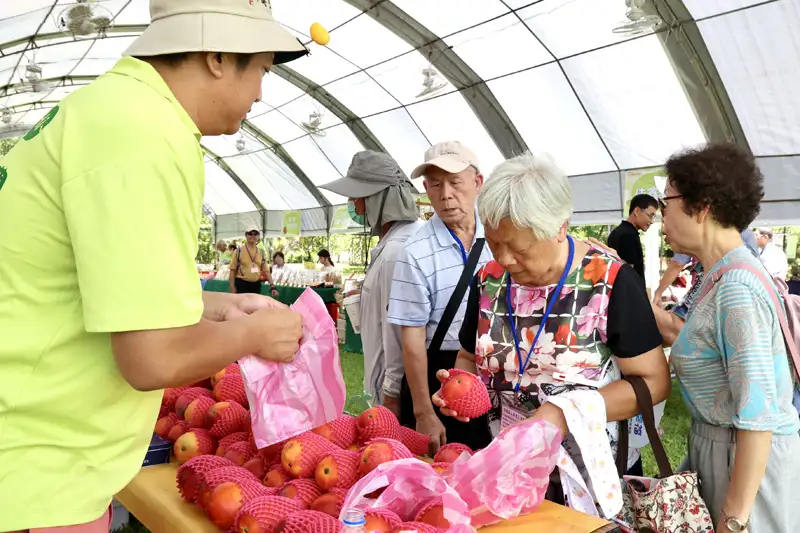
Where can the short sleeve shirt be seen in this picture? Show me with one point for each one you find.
(602, 311)
(730, 357)
(245, 261)
(626, 241)
(112, 169)
(425, 276)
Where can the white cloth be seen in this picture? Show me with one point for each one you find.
(427, 272)
(382, 342)
(585, 413)
(775, 261)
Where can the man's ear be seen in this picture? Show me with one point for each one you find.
(214, 63)
(479, 180)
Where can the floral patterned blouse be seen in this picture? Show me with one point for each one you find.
(603, 310)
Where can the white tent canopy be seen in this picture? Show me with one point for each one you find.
(546, 76)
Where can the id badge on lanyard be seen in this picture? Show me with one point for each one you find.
(511, 415)
(254, 268)
(523, 365)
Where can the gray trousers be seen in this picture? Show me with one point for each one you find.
(777, 506)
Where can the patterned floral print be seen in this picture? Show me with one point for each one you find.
(573, 342)
(575, 334)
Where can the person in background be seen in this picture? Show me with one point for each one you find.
(625, 237)
(670, 323)
(730, 357)
(600, 325)
(86, 349)
(278, 260)
(428, 269)
(682, 261)
(774, 258)
(379, 191)
(224, 254)
(249, 266)
(324, 258)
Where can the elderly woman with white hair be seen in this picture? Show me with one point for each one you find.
(553, 314)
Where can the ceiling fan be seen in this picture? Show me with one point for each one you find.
(638, 22)
(85, 18)
(432, 82)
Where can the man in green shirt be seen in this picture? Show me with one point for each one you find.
(91, 334)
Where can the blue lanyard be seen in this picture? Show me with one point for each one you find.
(510, 310)
(460, 245)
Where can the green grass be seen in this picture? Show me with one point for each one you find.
(353, 371)
(675, 424)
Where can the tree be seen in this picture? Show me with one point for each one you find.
(206, 254)
(6, 145)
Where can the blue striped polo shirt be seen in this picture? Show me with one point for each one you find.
(425, 276)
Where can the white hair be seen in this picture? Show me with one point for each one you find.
(531, 191)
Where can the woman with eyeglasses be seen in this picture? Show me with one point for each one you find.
(730, 356)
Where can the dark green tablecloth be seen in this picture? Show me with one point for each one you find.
(286, 295)
(352, 340)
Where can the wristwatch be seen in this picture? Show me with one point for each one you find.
(734, 524)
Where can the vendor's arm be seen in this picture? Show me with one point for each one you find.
(634, 339)
(159, 337)
(759, 376)
(410, 308)
(157, 359)
(222, 306)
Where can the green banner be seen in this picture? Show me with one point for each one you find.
(291, 223)
(341, 219)
(645, 181)
(791, 247)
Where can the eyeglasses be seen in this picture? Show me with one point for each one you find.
(252, 234)
(663, 201)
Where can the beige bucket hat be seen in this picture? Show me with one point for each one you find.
(232, 26)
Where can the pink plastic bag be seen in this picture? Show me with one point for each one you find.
(287, 399)
(409, 483)
(509, 477)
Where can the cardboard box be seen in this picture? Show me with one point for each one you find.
(159, 451)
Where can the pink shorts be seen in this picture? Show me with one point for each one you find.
(101, 525)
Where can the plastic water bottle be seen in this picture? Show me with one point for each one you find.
(354, 521)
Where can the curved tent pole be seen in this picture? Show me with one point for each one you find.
(697, 74)
(441, 55)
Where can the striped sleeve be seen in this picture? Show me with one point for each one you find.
(753, 354)
(410, 301)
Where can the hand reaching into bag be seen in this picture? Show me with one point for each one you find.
(279, 330)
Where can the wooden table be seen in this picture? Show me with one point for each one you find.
(152, 497)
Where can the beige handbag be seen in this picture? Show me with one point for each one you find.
(669, 504)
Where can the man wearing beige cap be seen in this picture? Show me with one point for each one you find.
(429, 290)
(91, 333)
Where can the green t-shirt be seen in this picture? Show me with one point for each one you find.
(116, 167)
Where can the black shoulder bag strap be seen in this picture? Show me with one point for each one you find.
(457, 297)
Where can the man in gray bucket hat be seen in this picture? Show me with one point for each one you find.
(380, 195)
